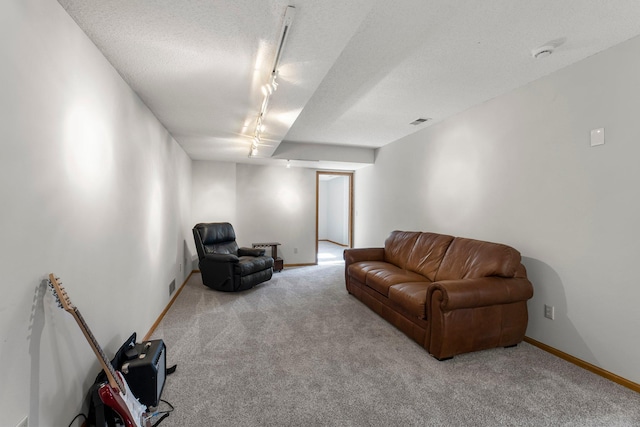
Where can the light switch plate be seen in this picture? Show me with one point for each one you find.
(597, 137)
(549, 312)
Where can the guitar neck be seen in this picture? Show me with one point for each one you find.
(113, 379)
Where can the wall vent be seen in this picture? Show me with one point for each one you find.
(419, 121)
(172, 287)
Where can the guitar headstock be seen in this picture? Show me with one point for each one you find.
(60, 294)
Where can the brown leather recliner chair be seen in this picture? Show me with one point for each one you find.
(225, 266)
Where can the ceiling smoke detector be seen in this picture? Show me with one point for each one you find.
(542, 51)
(419, 121)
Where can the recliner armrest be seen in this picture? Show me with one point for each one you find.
(221, 258)
(251, 251)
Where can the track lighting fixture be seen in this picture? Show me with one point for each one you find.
(269, 88)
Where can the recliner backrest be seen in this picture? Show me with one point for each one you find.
(215, 238)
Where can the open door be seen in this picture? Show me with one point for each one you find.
(334, 211)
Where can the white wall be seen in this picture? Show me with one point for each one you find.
(263, 203)
(278, 204)
(93, 189)
(333, 210)
(520, 170)
(323, 226)
(214, 192)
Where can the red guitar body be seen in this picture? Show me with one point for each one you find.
(112, 398)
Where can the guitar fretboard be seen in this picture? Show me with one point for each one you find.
(94, 343)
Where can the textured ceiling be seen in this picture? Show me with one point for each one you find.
(352, 73)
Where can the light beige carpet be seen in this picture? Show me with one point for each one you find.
(300, 351)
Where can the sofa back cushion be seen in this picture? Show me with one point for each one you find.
(427, 253)
(398, 247)
(468, 258)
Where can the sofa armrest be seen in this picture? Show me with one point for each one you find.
(475, 314)
(479, 292)
(363, 254)
(220, 258)
(251, 252)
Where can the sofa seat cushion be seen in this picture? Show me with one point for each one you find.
(381, 280)
(411, 296)
(359, 270)
(249, 265)
(380, 275)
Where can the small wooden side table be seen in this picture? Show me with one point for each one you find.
(278, 263)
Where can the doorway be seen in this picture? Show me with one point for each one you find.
(334, 215)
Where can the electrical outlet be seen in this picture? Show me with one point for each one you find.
(549, 312)
(24, 422)
(180, 267)
(295, 250)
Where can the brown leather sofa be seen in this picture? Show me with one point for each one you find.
(452, 295)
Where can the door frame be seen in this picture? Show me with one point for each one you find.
(350, 210)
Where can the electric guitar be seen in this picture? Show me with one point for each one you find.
(115, 393)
